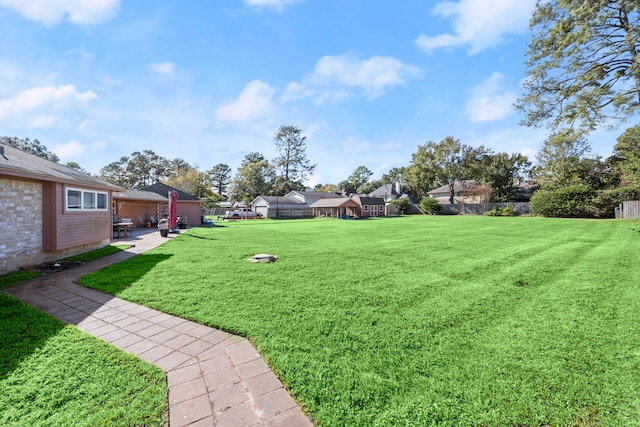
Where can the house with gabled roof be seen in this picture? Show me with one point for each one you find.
(141, 206)
(49, 211)
(391, 192)
(189, 206)
(280, 207)
(369, 206)
(294, 204)
(340, 207)
(462, 192)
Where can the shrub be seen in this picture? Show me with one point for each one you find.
(575, 201)
(607, 200)
(504, 211)
(402, 205)
(429, 205)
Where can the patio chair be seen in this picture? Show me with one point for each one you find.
(141, 222)
(153, 220)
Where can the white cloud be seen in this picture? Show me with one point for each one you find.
(42, 122)
(254, 103)
(276, 5)
(478, 24)
(82, 153)
(490, 100)
(110, 81)
(335, 77)
(40, 102)
(72, 149)
(50, 12)
(162, 67)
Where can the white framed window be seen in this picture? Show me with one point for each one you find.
(366, 208)
(77, 199)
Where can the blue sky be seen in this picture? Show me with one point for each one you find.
(210, 81)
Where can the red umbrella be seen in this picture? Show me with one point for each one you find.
(173, 218)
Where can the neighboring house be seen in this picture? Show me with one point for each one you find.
(310, 197)
(189, 207)
(49, 211)
(294, 204)
(141, 206)
(391, 192)
(369, 206)
(340, 207)
(388, 192)
(472, 198)
(463, 193)
(280, 207)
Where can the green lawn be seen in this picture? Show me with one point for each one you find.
(55, 375)
(419, 320)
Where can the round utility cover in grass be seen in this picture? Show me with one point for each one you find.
(263, 258)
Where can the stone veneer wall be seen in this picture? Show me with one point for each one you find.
(20, 224)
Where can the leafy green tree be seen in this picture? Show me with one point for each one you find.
(292, 161)
(76, 166)
(402, 205)
(583, 66)
(627, 150)
(252, 179)
(599, 173)
(116, 173)
(502, 173)
(253, 157)
(369, 186)
(220, 176)
(327, 188)
(30, 146)
(429, 205)
(192, 181)
(394, 175)
(358, 177)
(421, 175)
(179, 167)
(560, 160)
(147, 168)
(140, 170)
(443, 163)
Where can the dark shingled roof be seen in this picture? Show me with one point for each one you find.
(315, 194)
(385, 190)
(164, 190)
(16, 162)
(279, 200)
(139, 195)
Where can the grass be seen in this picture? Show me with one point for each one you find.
(24, 275)
(97, 253)
(419, 320)
(17, 277)
(55, 375)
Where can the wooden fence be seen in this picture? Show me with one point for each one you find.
(630, 209)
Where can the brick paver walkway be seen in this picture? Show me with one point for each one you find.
(214, 378)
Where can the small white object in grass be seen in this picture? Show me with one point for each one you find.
(56, 264)
(263, 258)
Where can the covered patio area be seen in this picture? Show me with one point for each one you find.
(336, 208)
